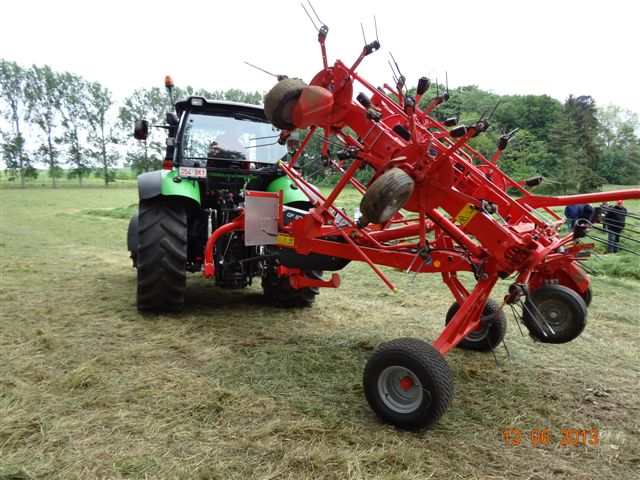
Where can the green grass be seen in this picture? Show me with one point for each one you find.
(233, 388)
(125, 178)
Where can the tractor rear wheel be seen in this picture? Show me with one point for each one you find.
(162, 254)
(561, 308)
(491, 333)
(408, 383)
(280, 292)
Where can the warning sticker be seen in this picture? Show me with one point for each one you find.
(466, 214)
(285, 240)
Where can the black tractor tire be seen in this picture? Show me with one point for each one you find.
(280, 292)
(132, 238)
(280, 100)
(162, 254)
(386, 196)
(562, 308)
(408, 383)
(490, 336)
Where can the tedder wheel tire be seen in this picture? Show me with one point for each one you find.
(490, 336)
(408, 383)
(562, 308)
(386, 195)
(587, 296)
(162, 254)
(280, 292)
(280, 100)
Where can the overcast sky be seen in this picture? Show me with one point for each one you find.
(557, 47)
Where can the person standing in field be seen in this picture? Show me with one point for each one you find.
(598, 212)
(614, 222)
(572, 213)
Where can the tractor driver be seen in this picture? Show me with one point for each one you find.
(227, 151)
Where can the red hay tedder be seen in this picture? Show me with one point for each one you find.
(462, 219)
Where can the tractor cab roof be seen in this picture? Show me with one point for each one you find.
(219, 107)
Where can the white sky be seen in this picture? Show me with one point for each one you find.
(557, 47)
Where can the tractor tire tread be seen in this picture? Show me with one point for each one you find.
(162, 254)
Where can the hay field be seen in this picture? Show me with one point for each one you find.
(234, 388)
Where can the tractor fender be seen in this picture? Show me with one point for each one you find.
(166, 182)
(290, 191)
(150, 184)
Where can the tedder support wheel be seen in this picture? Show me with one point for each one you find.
(280, 292)
(561, 308)
(386, 195)
(280, 100)
(491, 333)
(408, 383)
(162, 254)
(587, 296)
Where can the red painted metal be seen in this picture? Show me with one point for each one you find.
(297, 278)
(464, 219)
(209, 264)
(406, 383)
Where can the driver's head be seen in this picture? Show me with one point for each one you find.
(213, 149)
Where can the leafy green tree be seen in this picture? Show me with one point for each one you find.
(101, 136)
(619, 163)
(526, 156)
(235, 95)
(44, 100)
(73, 93)
(152, 105)
(574, 139)
(534, 113)
(14, 109)
(467, 103)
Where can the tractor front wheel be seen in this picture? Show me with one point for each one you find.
(555, 314)
(408, 383)
(162, 254)
(490, 334)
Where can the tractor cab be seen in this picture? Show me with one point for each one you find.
(222, 136)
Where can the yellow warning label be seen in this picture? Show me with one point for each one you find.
(285, 240)
(466, 214)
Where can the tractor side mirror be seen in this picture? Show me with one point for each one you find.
(172, 119)
(141, 130)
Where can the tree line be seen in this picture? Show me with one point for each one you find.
(575, 144)
(74, 127)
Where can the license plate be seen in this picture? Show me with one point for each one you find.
(193, 172)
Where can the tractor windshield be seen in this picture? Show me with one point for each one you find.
(211, 139)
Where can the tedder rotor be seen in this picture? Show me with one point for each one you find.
(456, 217)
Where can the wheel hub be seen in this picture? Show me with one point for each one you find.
(400, 389)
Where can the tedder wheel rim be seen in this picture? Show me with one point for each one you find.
(478, 335)
(408, 383)
(558, 307)
(556, 313)
(400, 389)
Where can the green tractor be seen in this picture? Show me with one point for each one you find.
(217, 153)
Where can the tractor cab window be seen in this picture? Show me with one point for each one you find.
(229, 140)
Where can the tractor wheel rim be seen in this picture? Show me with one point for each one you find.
(400, 389)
